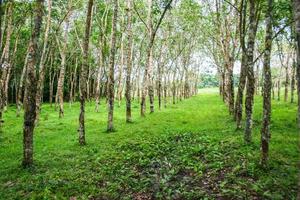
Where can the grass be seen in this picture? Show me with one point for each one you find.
(187, 151)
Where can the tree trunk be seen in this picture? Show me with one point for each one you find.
(41, 77)
(129, 61)
(250, 72)
(240, 92)
(265, 131)
(51, 83)
(147, 83)
(83, 74)
(61, 79)
(30, 88)
(120, 86)
(286, 83)
(293, 81)
(5, 62)
(111, 81)
(279, 85)
(21, 84)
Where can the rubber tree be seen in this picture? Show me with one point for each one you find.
(30, 87)
(83, 74)
(265, 131)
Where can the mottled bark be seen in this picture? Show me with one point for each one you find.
(111, 75)
(129, 61)
(286, 83)
(72, 83)
(265, 131)
(230, 86)
(257, 83)
(279, 85)
(148, 83)
(148, 69)
(5, 62)
(159, 79)
(61, 79)
(293, 81)
(240, 92)
(250, 71)
(165, 90)
(41, 76)
(83, 74)
(21, 85)
(30, 88)
(174, 87)
(51, 84)
(120, 76)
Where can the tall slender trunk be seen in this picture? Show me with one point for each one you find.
(159, 89)
(293, 81)
(257, 83)
(240, 92)
(9, 73)
(51, 83)
(111, 81)
(73, 80)
(174, 87)
(230, 86)
(21, 85)
(265, 131)
(165, 90)
(286, 83)
(61, 79)
(250, 72)
(120, 86)
(147, 82)
(30, 88)
(83, 74)
(41, 77)
(243, 72)
(5, 62)
(99, 73)
(129, 61)
(279, 81)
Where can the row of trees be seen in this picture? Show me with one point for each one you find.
(243, 32)
(61, 52)
(57, 51)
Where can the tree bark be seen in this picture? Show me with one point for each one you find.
(129, 62)
(111, 81)
(250, 72)
(240, 92)
(30, 88)
(120, 86)
(265, 131)
(293, 81)
(41, 77)
(83, 74)
(61, 79)
(5, 62)
(286, 83)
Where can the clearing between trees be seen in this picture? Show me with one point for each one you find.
(185, 151)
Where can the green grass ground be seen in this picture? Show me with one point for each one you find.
(187, 151)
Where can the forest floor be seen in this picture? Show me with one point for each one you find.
(190, 150)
